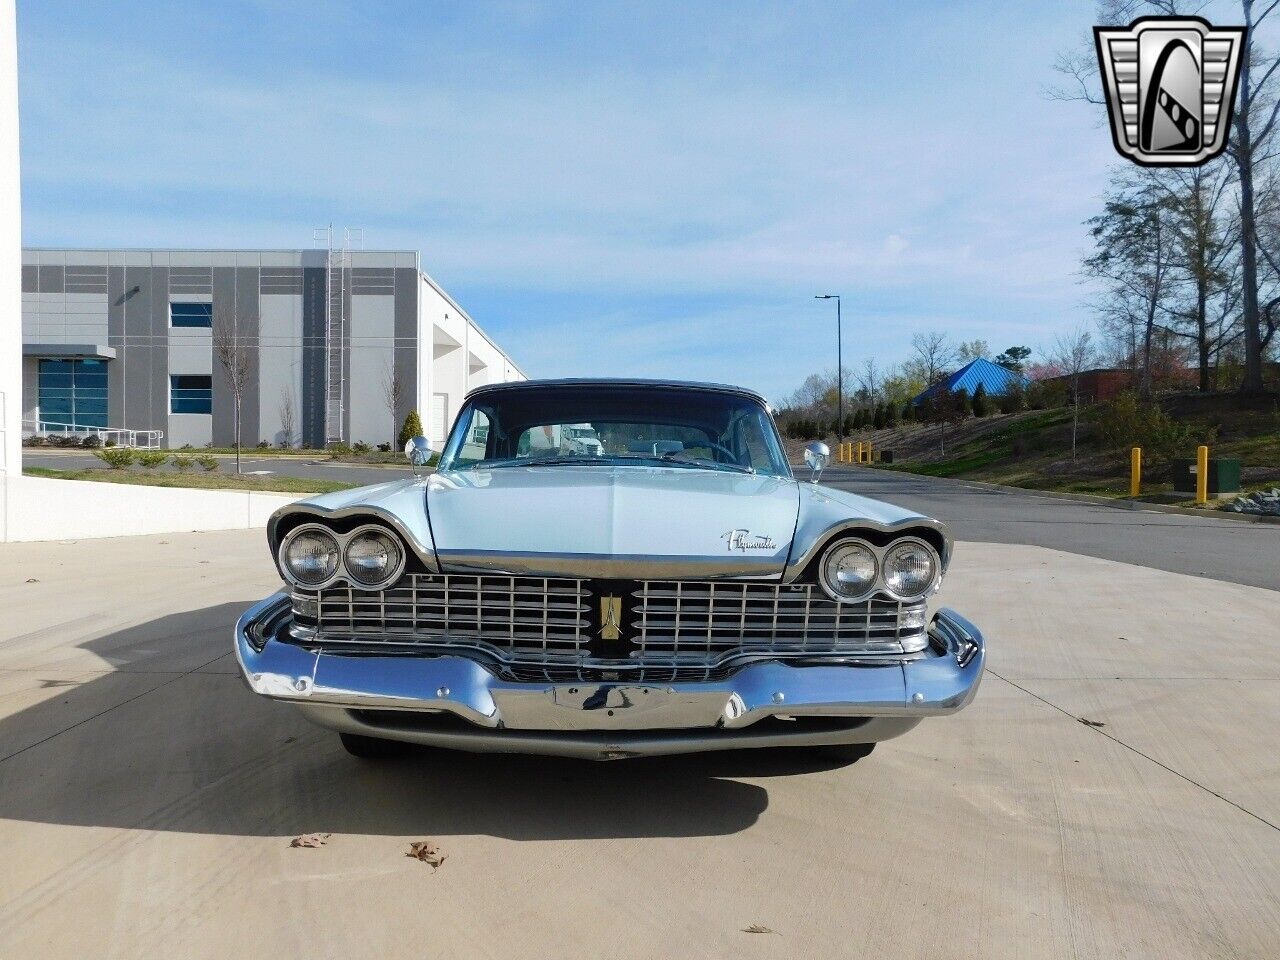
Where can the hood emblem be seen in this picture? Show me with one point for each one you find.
(745, 540)
(610, 618)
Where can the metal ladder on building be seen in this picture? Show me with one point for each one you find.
(337, 279)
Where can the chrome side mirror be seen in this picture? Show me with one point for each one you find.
(817, 455)
(418, 451)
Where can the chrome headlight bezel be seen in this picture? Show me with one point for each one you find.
(342, 542)
(370, 529)
(827, 556)
(282, 553)
(879, 586)
(935, 559)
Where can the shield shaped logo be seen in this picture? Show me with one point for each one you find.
(1170, 84)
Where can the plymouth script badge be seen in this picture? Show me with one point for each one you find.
(746, 540)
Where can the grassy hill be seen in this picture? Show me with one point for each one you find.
(1033, 448)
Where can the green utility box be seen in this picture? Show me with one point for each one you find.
(1224, 476)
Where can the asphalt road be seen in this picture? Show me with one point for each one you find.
(1229, 550)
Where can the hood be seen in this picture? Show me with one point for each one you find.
(629, 522)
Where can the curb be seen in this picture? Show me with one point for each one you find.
(1113, 503)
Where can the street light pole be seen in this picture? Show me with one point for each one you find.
(839, 366)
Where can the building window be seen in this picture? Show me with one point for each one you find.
(191, 314)
(73, 393)
(190, 393)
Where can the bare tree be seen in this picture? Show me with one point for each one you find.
(1134, 254)
(973, 350)
(287, 417)
(870, 380)
(933, 353)
(1074, 353)
(392, 395)
(237, 363)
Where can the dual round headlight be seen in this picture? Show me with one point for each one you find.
(313, 556)
(906, 569)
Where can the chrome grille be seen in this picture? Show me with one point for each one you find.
(515, 616)
(545, 629)
(708, 619)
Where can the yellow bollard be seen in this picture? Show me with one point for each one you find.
(870, 458)
(859, 451)
(1135, 471)
(1202, 474)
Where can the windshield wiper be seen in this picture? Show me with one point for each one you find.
(677, 456)
(539, 462)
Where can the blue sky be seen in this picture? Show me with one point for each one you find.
(648, 188)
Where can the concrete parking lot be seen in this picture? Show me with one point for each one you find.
(147, 799)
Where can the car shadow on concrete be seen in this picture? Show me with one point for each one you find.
(173, 740)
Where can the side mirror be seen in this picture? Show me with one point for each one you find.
(817, 455)
(418, 452)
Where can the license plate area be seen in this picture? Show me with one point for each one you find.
(611, 697)
(609, 706)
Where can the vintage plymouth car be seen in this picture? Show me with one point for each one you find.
(678, 590)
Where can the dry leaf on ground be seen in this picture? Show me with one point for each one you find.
(310, 840)
(757, 928)
(428, 852)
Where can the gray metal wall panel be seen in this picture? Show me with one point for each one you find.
(346, 358)
(115, 338)
(138, 386)
(406, 350)
(247, 332)
(49, 279)
(311, 416)
(159, 347)
(30, 278)
(224, 303)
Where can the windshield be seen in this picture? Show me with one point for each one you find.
(603, 424)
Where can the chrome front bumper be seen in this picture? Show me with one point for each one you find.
(422, 698)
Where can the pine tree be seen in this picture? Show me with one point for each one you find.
(981, 406)
(412, 428)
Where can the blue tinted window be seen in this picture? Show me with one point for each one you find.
(191, 314)
(190, 393)
(72, 392)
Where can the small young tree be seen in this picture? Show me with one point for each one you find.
(412, 428)
(1074, 353)
(981, 405)
(237, 363)
(964, 406)
(393, 395)
(287, 418)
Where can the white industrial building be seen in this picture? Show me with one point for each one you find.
(125, 340)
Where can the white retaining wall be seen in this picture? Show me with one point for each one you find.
(43, 509)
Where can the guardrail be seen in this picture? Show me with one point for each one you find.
(118, 436)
